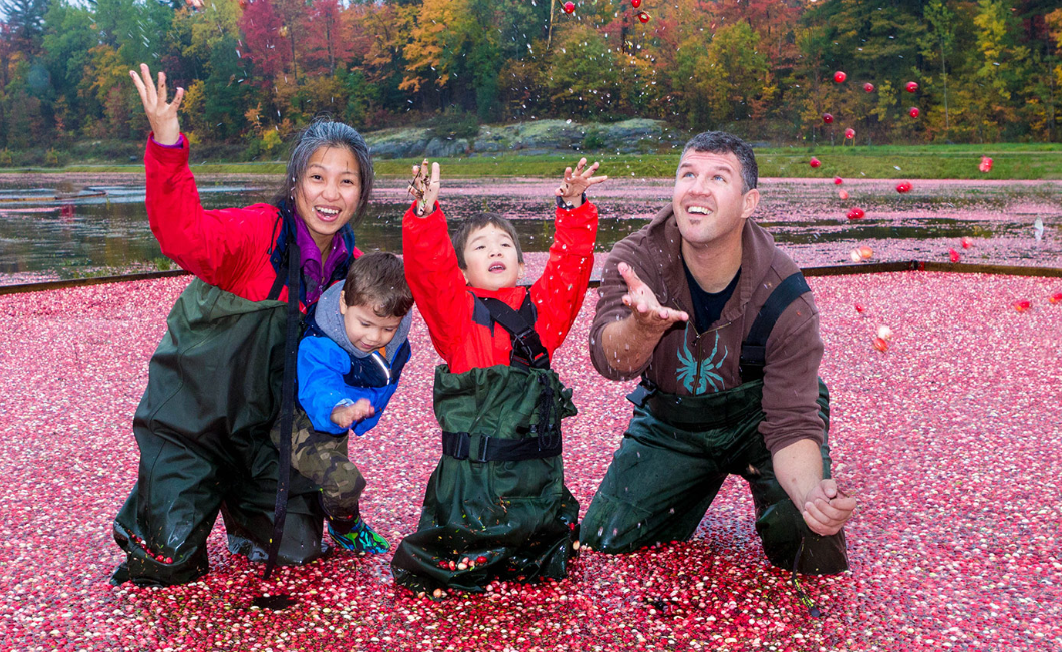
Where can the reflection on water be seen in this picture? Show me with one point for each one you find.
(62, 232)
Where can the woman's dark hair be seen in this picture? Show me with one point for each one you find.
(323, 132)
(378, 281)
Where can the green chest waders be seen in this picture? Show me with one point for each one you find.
(202, 426)
(497, 497)
(677, 451)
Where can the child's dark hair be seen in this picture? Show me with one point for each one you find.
(377, 280)
(476, 222)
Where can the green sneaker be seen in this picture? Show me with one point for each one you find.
(361, 538)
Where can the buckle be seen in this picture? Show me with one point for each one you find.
(479, 455)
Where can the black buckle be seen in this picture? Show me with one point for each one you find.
(463, 449)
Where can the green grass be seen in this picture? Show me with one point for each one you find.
(1011, 161)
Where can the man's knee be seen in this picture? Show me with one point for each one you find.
(790, 544)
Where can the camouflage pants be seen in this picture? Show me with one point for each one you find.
(322, 458)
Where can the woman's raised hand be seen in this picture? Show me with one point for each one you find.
(161, 115)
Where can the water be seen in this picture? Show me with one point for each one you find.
(47, 231)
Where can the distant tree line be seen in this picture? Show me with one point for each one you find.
(255, 70)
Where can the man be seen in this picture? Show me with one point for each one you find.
(724, 332)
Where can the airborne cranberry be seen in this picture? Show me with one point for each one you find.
(868, 87)
(814, 162)
(911, 87)
(839, 76)
(913, 112)
(569, 7)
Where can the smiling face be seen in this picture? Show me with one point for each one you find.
(366, 330)
(708, 201)
(491, 259)
(327, 195)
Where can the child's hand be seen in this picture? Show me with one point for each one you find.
(424, 189)
(346, 415)
(575, 183)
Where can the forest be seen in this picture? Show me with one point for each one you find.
(254, 71)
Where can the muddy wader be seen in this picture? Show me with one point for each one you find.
(497, 497)
(677, 451)
(202, 426)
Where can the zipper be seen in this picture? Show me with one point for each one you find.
(383, 365)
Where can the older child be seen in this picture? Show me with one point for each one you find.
(349, 364)
(496, 505)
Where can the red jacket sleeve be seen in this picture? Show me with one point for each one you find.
(223, 247)
(559, 293)
(437, 284)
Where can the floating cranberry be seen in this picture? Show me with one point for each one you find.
(966, 243)
(881, 345)
(860, 308)
(1055, 298)
(954, 255)
(903, 186)
(856, 214)
(1022, 305)
(865, 252)
(838, 181)
(843, 194)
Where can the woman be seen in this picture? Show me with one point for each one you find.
(215, 382)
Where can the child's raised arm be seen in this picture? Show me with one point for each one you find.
(430, 262)
(560, 290)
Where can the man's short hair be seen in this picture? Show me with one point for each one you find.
(476, 222)
(377, 280)
(720, 142)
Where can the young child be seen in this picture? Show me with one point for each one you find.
(496, 506)
(349, 363)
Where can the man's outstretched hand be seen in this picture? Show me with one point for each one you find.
(648, 314)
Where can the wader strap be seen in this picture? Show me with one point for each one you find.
(645, 389)
(482, 448)
(754, 348)
(287, 399)
(528, 351)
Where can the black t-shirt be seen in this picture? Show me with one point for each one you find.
(707, 306)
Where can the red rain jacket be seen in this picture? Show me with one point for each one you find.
(445, 301)
(226, 247)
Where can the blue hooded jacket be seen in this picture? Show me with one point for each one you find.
(332, 371)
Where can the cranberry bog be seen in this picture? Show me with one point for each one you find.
(949, 438)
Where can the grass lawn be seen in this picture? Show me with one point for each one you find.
(1011, 161)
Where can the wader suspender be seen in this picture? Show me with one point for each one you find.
(528, 352)
(754, 348)
(291, 269)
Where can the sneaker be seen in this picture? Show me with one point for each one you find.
(361, 538)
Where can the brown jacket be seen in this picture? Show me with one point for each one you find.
(689, 363)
